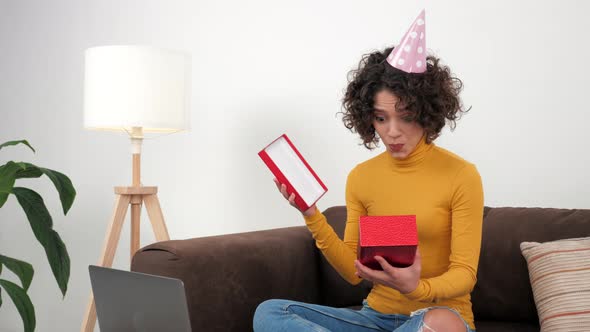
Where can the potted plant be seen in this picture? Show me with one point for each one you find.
(42, 225)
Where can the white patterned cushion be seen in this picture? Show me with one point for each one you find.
(559, 273)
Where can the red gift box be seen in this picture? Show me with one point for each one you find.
(290, 168)
(394, 238)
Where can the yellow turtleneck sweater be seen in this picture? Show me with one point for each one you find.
(445, 193)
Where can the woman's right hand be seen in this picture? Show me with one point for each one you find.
(291, 198)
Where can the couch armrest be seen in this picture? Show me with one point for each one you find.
(226, 277)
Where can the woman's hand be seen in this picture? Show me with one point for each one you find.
(405, 280)
(291, 198)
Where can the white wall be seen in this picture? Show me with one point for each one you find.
(261, 68)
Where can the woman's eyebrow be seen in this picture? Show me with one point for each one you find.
(379, 110)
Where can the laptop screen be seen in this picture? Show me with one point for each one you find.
(134, 301)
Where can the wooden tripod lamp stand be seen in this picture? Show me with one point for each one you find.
(137, 89)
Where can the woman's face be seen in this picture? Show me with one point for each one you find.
(396, 129)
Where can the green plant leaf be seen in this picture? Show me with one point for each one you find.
(57, 255)
(36, 211)
(22, 302)
(62, 183)
(28, 171)
(42, 225)
(7, 176)
(23, 270)
(15, 143)
(64, 187)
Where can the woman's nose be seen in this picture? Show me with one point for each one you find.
(393, 129)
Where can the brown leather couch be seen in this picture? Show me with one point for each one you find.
(227, 276)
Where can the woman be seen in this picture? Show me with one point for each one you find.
(405, 108)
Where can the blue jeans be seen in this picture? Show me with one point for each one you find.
(287, 316)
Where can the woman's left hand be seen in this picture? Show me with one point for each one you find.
(405, 280)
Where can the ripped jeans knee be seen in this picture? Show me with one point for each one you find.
(424, 327)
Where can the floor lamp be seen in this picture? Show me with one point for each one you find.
(138, 90)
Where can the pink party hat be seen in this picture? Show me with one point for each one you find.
(410, 54)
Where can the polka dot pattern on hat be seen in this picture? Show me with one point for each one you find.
(409, 55)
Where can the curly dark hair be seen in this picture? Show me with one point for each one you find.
(431, 97)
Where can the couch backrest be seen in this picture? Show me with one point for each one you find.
(503, 290)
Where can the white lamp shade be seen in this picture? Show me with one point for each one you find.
(129, 86)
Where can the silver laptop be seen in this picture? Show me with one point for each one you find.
(133, 301)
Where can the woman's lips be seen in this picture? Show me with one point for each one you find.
(396, 147)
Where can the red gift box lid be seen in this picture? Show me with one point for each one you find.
(388, 231)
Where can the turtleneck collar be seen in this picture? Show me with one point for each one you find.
(414, 158)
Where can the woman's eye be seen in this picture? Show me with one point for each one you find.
(379, 119)
(407, 118)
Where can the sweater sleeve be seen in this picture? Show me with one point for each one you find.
(341, 254)
(467, 218)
